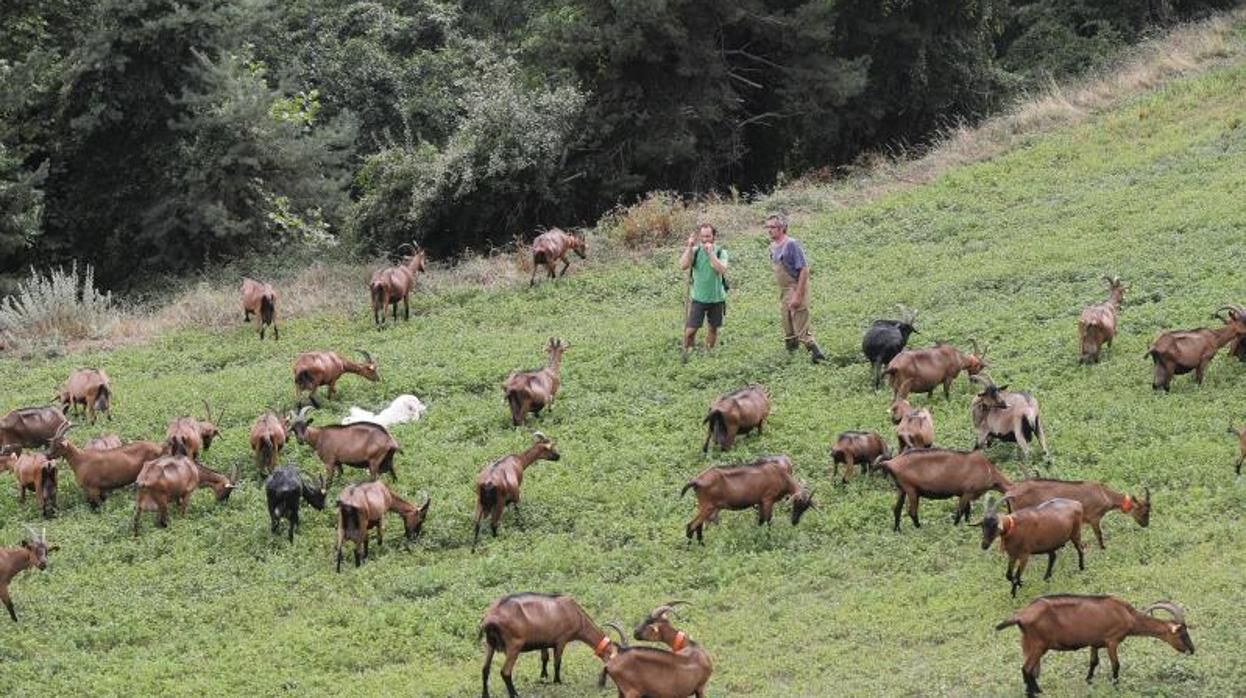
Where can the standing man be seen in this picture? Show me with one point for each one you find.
(708, 263)
(791, 272)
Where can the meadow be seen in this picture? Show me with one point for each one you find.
(1004, 252)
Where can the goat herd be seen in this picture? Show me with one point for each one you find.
(1033, 517)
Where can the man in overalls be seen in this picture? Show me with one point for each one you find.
(791, 272)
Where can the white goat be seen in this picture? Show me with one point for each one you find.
(404, 408)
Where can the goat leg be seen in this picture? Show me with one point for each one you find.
(8, 604)
(1116, 662)
(1051, 562)
(544, 663)
(896, 511)
(1094, 662)
(558, 662)
(484, 672)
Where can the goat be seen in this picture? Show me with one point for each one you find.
(530, 621)
(1041, 529)
(259, 299)
(187, 436)
(758, 484)
(393, 284)
(1096, 500)
(1007, 416)
(551, 247)
(30, 427)
(852, 447)
(1067, 622)
(1183, 351)
(532, 391)
(316, 368)
(1241, 447)
(361, 445)
(36, 473)
(361, 508)
(737, 412)
(88, 387)
(885, 339)
(404, 408)
(498, 484)
(914, 428)
(173, 479)
(1238, 346)
(939, 473)
(103, 442)
(32, 552)
(283, 489)
(98, 472)
(923, 370)
(268, 438)
(1096, 326)
(644, 672)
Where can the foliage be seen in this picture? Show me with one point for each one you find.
(49, 309)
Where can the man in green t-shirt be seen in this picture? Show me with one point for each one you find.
(708, 263)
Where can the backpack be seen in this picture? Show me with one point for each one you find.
(726, 285)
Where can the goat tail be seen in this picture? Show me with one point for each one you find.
(103, 399)
(303, 379)
(493, 635)
(488, 496)
(348, 519)
(378, 295)
(691, 485)
(515, 401)
(267, 308)
(266, 450)
(1009, 623)
(1152, 355)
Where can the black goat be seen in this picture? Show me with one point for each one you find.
(284, 488)
(887, 338)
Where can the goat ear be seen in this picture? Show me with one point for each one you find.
(1003, 387)
(54, 548)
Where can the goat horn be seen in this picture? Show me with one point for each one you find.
(427, 501)
(207, 408)
(974, 343)
(538, 436)
(34, 535)
(303, 412)
(1177, 614)
(366, 356)
(617, 629)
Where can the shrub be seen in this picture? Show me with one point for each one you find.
(660, 218)
(49, 310)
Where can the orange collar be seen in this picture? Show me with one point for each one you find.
(1127, 504)
(680, 639)
(601, 647)
(1006, 524)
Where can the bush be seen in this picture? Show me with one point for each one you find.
(49, 310)
(660, 218)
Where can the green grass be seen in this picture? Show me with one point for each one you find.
(1006, 252)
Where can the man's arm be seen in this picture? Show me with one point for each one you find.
(685, 260)
(802, 287)
(719, 265)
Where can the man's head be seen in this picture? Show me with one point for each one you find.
(707, 234)
(776, 226)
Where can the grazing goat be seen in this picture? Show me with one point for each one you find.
(361, 445)
(498, 484)
(259, 299)
(759, 484)
(647, 672)
(852, 447)
(737, 412)
(532, 391)
(923, 370)
(529, 621)
(885, 339)
(30, 427)
(939, 473)
(1067, 622)
(393, 284)
(187, 436)
(914, 428)
(30, 553)
(268, 438)
(404, 408)
(1034, 530)
(316, 368)
(99, 472)
(1241, 446)
(284, 489)
(1182, 351)
(1007, 416)
(1097, 501)
(87, 387)
(35, 472)
(173, 479)
(361, 508)
(551, 247)
(1238, 346)
(1096, 326)
(103, 442)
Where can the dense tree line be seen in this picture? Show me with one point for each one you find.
(152, 136)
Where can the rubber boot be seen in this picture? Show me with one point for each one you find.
(791, 344)
(815, 353)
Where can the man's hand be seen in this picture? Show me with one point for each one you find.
(795, 302)
(692, 240)
(708, 247)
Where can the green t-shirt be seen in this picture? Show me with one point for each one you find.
(707, 284)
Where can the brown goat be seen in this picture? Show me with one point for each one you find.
(104, 442)
(259, 299)
(737, 412)
(30, 553)
(1238, 346)
(1241, 446)
(268, 438)
(1067, 622)
(498, 484)
(1041, 529)
(99, 472)
(393, 284)
(758, 484)
(645, 672)
(360, 445)
(187, 436)
(173, 479)
(1007, 416)
(532, 391)
(87, 387)
(923, 370)
(361, 508)
(1096, 326)
(30, 427)
(939, 473)
(852, 447)
(526, 622)
(1096, 500)
(914, 428)
(316, 368)
(551, 247)
(1183, 351)
(35, 472)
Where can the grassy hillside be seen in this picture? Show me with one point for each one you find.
(1005, 252)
